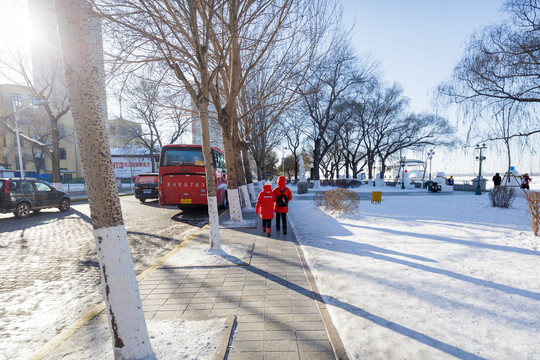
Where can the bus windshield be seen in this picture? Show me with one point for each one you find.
(182, 156)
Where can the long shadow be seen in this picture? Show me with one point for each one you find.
(380, 321)
(451, 240)
(83, 216)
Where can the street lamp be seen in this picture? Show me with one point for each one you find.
(430, 156)
(480, 158)
(403, 172)
(17, 130)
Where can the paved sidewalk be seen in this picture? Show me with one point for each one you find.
(268, 299)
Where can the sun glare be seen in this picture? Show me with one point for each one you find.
(15, 29)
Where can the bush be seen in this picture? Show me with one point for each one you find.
(533, 199)
(341, 200)
(502, 196)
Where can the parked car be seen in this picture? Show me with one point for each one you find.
(21, 196)
(146, 186)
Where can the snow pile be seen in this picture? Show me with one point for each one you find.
(171, 339)
(427, 277)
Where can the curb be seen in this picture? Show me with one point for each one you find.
(333, 335)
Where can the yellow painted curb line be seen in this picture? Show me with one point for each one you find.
(77, 325)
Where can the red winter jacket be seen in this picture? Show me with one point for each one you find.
(282, 182)
(265, 203)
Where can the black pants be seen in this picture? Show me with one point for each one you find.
(267, 223)
(283, 216)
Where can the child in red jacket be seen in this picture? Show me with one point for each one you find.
(283, 196)
(265, 204)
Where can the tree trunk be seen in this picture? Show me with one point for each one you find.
(247, 171)
(56, 177)
(121, 292)
(232, 183)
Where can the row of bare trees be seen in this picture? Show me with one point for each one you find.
(497, 79)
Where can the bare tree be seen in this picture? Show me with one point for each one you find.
(84, 82)
(329, 85)
(176, 36)
(500, 65)
(45, 86)
(163, 119)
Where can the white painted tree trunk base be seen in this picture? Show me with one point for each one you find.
(235, 210)
(122, 298)
(251, 190)
(317, 184)
(245, 196)
(213, 217)
(58, 186)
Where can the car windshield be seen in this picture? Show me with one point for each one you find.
(182, 156)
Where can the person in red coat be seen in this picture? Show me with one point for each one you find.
(265, 205)
(283, 196)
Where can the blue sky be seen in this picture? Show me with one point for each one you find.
(417, 42)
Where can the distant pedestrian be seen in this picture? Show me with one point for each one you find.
(450, 181)
(265, 205)
(496, 180)
(283, 196)
(525, 180)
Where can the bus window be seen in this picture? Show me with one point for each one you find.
(182, 156)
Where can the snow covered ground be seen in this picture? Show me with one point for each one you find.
(427, 276)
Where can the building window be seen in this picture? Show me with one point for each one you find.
(31, 100)
(16, 100)
(4, 142)
(63, 154)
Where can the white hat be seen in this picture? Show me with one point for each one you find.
(268, 183)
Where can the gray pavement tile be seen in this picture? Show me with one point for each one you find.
(154, 302)
(278, 310)
(278, 326)
(279, 317)
(328, 355)
(308, 335)
(310, 325)
(174, 307)
(281, 355)
(177, 301)
(315, 345)
(248, 345)
(196, 314)
(203, 300)
(227, 305)
(199, 306)
(306, 317)
(277, 303)
(250, 355)
(280, 345)
(251, 318)
(280, 335)
(250, 326)
(249, 335)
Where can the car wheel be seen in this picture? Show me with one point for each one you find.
(22, 210)
(64, 204)
(142, 200)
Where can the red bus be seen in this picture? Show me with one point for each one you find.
(182, 178)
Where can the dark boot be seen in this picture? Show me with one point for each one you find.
(268, 232)
(264, 229)
(284, 231)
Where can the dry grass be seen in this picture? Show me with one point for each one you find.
(533, 199)
(502, 196)
(341, 200)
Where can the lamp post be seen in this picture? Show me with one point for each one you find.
(17, 130)
(430, 157)
(403, 172)
(480, 158)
